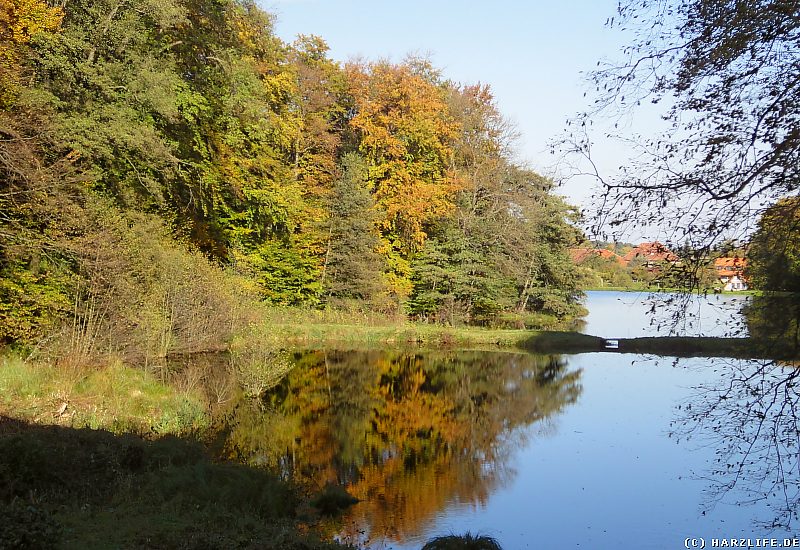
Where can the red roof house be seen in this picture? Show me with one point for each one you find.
(730, 271)
(652, 253)
(580, 255)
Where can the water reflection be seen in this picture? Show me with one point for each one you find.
(633, 314)
(749, 417)
(775, 317)
(435, 443)
(407, 433)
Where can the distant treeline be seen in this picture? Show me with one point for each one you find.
(134, 132)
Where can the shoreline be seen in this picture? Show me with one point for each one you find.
(154, 431)
(568, 343)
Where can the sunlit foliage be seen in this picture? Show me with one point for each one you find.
(375, 185)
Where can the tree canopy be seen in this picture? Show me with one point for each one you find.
(774, 251)
(727, 74)
(317, 183)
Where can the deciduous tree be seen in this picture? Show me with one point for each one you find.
(727, 73)
(403, 130)
(774, 251)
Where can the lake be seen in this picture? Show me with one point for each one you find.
(590, 450)
(634, 314)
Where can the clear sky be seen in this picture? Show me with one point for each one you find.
(531, 53)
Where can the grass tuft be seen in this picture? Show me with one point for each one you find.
(333, 499)
(467, 541)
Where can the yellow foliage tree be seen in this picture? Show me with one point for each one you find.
(20, 20)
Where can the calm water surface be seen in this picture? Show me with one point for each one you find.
(633, 314)
(591, 450)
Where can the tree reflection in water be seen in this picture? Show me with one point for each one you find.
(750, 416)
(775, 318)
(407, 433)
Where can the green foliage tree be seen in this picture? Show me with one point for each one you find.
(774, 267)
(37, 179)
(355, 270)
(38, 206)
(774, 251)
(456, 280)
(599, 272)
(108, 76)
(505, 246)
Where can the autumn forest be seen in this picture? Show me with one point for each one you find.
(252, 296)
(167, 155)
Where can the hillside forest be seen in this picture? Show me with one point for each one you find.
(166, 164)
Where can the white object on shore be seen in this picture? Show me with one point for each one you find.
(612, 344)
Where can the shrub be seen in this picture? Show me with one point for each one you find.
(143, 295)
(25, 526)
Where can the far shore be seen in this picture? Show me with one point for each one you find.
(426, 337)
(706, 292)
(670, 346)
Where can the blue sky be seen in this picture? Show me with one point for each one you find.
(531, 53)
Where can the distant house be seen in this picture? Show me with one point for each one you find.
(652, 255)
(580, 255)
(730, 271)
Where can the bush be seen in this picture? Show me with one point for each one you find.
(143, 296)
(25, 526)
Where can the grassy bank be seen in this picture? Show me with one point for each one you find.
(79, 488)
(118, 457)
(401, 335)
(115, 397)
(304, 327)
(743, 348)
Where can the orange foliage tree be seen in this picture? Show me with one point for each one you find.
(404, 132)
